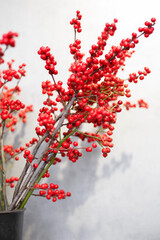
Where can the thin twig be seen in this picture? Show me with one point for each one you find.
(58, 91)
(3, 166)
(31, 188)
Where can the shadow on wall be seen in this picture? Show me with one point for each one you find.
(114, 165)
(47, 220)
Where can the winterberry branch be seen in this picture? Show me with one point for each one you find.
(42, 171)
(58, 91)
(27, 165)
(20, 193)
(91, 96)
(3, 170)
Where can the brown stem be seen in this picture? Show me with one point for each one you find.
(33, 182)
(27, 166)
(58, 91)
(3, 166)
(37, 195)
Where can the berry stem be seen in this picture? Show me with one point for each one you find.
(58, 91)
(24, 172)
(3, 171)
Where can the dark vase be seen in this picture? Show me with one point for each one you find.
(11, 225)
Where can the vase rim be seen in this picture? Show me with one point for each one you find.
(13, 211)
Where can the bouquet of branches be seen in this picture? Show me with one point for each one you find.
(93, 95)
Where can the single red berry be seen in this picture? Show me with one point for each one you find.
(35, 165)
(153, 20)
(54, 199)
(94, 145)
(88, 149)
(68, 194)
(75, 144)
(12, 185)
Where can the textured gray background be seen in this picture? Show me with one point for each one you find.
(117, 198)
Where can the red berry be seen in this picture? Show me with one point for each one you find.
(54, 199)
(88, 149)
(68, 194)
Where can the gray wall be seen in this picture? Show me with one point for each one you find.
(117, 198)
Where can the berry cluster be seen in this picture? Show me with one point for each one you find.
(133, 77)
(23, 113)
(11, 181)
(46, 119)
(142, 103)
(148, 29)
(51, 191)
(13, 153)
(45, 54)
(8, 39)
(75, 49)
(97, 50)
(76, 22)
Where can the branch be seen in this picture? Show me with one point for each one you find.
(3, 170)
(27, 166)
(60, 122)
(41, 172)
(58, 91)
(116, 53)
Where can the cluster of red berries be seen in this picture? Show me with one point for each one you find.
(45, 54)
(142, 103)
(97, 50)
(21, 70)
(148, 29)
(51, 191)
(8, 106)
(23, 113)
(76, 22)
(11, 181)
(9, 74)
(128, 105)
(45, 119)
(133, 77)
(75, 49)
(75, 120)
(8, 149)
(8, 39)
(11, 123)
(48, 88)
(46, 175)
(73, 155)
(28, 156)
